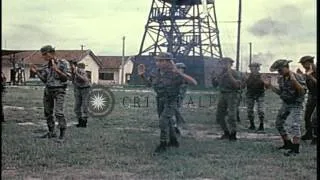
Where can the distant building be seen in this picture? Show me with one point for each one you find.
(111, 70)
(23, 60)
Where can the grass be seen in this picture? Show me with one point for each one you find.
(120, 145)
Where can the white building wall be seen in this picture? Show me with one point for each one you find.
(92, 66)
(128, 68)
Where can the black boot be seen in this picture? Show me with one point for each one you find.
(84, 122)
(293, 151)
(80, 122)
(287, 145)
(261, 128)
(226, 135)
(50, 134)
(252, 126)
(173, 142)
(307, 136)
(233, 136)
(62, 133)
(314, 141)
(161, 147)
(177, 130)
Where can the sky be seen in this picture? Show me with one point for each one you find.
(277, 29)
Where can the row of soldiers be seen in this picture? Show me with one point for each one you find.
(167, 81)
(55, 75)
(170, 81)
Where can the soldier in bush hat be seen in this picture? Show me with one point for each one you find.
(230, 84)
(55, 76)
(82, 85)
(311, 80)
(166, 80)
(255, 93)
(291, 91)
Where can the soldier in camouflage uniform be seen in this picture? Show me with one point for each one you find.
(55, 76)
(291, 91)
(314, 127)
(311, 80)
(81, 84)
(166, 80)
(255, 93)
(230, 83)
(183, 89)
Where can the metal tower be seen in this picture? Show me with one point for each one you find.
(182, 27)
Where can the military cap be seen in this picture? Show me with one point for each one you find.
(164, 55)
(81, 65)
(306, 59)
(181, 65)
(278, 64)
(227, 59)
(47, 49)
(254, 64)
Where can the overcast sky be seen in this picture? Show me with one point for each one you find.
(277, 29)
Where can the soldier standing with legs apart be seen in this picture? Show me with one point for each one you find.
(311, 81)
(183, 89)
(55, 76)
(81, 84)
(291, 91)
(255, 93)
(230, 83)
(166, 80)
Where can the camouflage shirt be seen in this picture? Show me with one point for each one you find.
(51, 78)
(287, 92)
(183, 89)
(255, 85)
(312, 86)
(225, 83)
(165, 83)
(79, 82)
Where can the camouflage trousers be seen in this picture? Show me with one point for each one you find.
(309, 109)
(166, 110)
(314, 122)
(81, 96)
(227, 104)
(289, 119)
(54, 99)
(179, 119)
(251, 100)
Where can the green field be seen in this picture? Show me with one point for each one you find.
(120, 146)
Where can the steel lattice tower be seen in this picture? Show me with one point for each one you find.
(182, 27)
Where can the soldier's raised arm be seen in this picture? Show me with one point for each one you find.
(141, 73)
(42, 74)
(186, 77)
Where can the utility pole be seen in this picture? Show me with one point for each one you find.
(238, 38)
(250, 52)
(122, 63)
(82, 47)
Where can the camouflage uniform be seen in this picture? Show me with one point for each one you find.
(228, 103)
(54, 93)
(255, 93)
(182, 93)
(81, 93)
(291, 108)
(311, 101)
(166, 85)
(314, 126)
